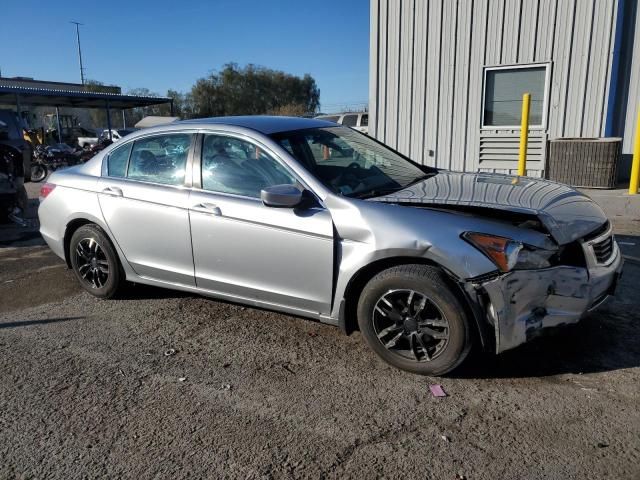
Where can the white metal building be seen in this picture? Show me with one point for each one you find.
(447, 77)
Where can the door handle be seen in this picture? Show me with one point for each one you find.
(113, 191)
(208, 208)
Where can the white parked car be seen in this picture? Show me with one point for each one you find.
(356, 120)
(85, 138)
(117, 134)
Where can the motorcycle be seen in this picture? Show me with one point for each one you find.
(88, 153)
(47, 159)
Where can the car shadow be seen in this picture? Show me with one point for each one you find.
(43, 321)
(24, 234)
(607, 339)
(29, 238)
(139, 291)
(593, 345)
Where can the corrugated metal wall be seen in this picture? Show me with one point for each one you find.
(427, 61)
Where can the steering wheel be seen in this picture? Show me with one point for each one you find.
(349, 177)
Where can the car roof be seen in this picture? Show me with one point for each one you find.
(262, 123)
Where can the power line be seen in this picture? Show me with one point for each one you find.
(350, 102)
(344, 107)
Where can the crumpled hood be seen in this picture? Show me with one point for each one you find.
(566, 213)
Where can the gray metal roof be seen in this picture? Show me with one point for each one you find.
(9, 95)
(264, 123)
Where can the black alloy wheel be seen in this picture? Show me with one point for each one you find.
(413, 318)
(95, 262)
(92, 263)
(410, 324)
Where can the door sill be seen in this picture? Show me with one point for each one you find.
(234, 298)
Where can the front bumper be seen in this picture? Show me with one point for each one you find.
(521, 304)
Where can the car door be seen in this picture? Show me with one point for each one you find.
(242, 248)
(144, 202)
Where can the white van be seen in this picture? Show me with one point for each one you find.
(357, 120)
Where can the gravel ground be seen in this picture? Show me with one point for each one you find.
(89, 389)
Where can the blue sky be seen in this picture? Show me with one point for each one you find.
(161, 44)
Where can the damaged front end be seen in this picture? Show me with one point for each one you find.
(520, 304)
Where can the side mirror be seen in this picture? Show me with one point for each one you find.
(282, 196)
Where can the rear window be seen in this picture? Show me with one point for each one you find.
(350, 120)
(364, 121)
(330, 119)
(117, 161)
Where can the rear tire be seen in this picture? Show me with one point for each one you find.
(411, 318)
(95, 262)
(38, 173)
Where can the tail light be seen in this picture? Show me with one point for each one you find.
(45, 190)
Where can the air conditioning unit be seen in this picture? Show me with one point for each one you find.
(584, 162)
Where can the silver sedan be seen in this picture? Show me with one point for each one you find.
(315, 219)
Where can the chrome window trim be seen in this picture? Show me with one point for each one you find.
(144, 182)
(104, 168)
(232, 196)
(193, 167)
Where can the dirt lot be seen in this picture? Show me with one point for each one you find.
(88, 390)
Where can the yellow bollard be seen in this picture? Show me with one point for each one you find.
(635, 164)
(524, 135)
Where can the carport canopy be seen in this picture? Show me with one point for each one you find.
(37, 97)
(77, 99)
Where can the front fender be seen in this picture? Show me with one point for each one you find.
(370, 231)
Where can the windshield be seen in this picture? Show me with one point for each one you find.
(351, 163)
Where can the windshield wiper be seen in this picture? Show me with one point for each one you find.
(385, 191)
(419, 179)
(375, 193)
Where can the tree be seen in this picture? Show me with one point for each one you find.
(134, 115)
(234, 90)
(290, 110)
(253, 90)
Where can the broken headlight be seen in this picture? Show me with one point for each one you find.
(510, 254)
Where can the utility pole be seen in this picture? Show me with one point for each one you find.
(77, 24)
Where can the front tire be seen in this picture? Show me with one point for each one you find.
(411, 318)
(95, 262)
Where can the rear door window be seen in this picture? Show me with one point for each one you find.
(160, 159)
(117, 161)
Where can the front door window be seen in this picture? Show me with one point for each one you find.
(232, 165)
